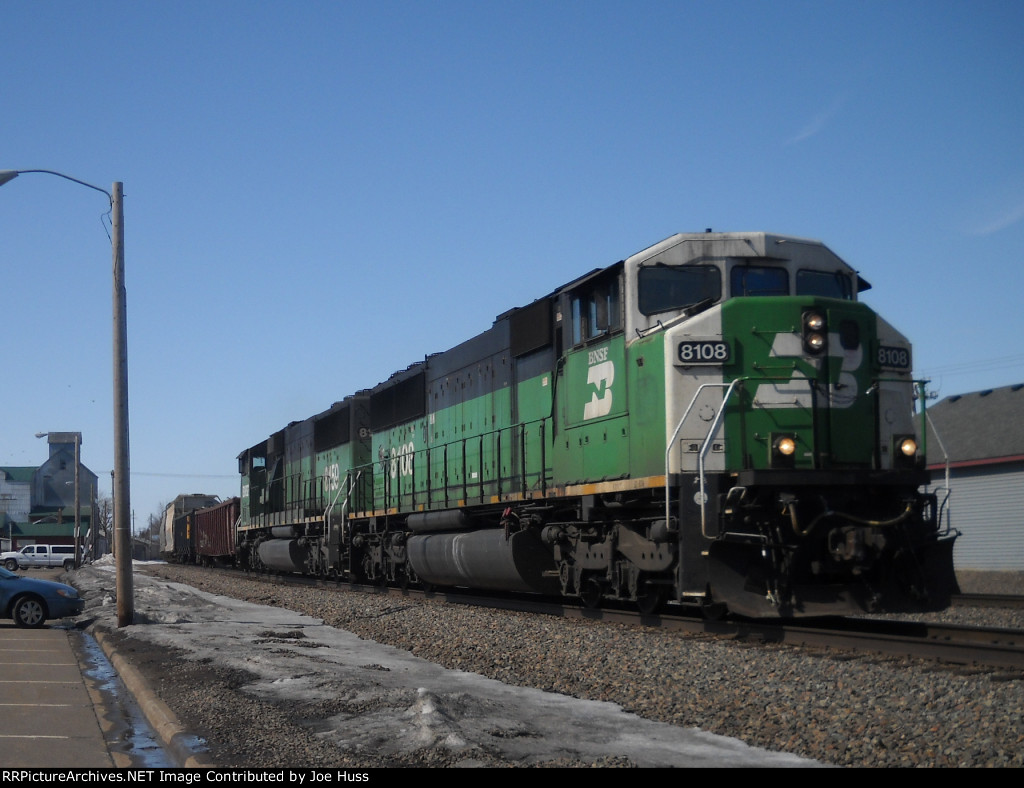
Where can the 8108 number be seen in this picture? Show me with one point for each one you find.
(893, 357)
(702, 352)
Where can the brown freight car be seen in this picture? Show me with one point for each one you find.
(215, 533)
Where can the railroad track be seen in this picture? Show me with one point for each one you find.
(973, 648)
(954, 646)
(1014, 601)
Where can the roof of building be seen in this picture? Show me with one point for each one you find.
(47, 531)
(983, 426)
(17, 473)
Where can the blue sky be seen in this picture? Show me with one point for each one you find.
(319, 193)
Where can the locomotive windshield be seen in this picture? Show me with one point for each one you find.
(664, 288)
(757, 280)
(829, 284)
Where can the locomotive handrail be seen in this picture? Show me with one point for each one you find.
(947, 488)
(707, 443)
(351, 486)
(706, 446)
(348, 496)
(675, 434)
(337, 495)
(703, 453)
(944, 510)
(414, 487)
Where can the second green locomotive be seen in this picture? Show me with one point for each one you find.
(715, 420)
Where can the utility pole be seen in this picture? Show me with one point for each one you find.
(122, 507)
(78, 500)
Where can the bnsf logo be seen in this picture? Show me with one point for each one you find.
(600, 376)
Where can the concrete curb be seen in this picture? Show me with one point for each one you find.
(172, 734)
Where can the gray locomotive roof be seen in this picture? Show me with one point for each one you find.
(980, 426)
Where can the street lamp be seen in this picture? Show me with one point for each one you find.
(122, 508)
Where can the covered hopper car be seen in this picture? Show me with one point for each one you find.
(177, 531)
(716, 420)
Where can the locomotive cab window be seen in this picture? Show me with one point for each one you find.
(829, 284)
(595, 310)
(758, 280)
(664, 288)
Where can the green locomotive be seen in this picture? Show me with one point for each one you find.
(714, 421)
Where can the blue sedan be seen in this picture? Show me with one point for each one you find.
(31, 602)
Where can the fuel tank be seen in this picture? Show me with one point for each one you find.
(283, 555)
(485, 559)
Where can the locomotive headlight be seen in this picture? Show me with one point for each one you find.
(783, 450)
(906, 455)
(814, 331)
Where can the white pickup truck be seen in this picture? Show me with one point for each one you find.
(40, 556)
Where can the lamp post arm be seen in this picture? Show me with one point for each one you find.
(6, 175)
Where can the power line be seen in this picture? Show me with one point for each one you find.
(187, 475)
(979, 365)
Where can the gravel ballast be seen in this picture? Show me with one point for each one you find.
(837, 708)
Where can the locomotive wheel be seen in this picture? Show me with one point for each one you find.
(565, 577)
(591, 593)
(370, 574)
(650, 599)
(714, 611)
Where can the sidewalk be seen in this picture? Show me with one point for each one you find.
(67, 700)
(48, 713)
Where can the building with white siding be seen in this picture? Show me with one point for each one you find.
(977, 439)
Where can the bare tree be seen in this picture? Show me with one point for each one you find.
(102, 525)
(150, 535)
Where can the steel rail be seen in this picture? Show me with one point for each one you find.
(958, 646)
